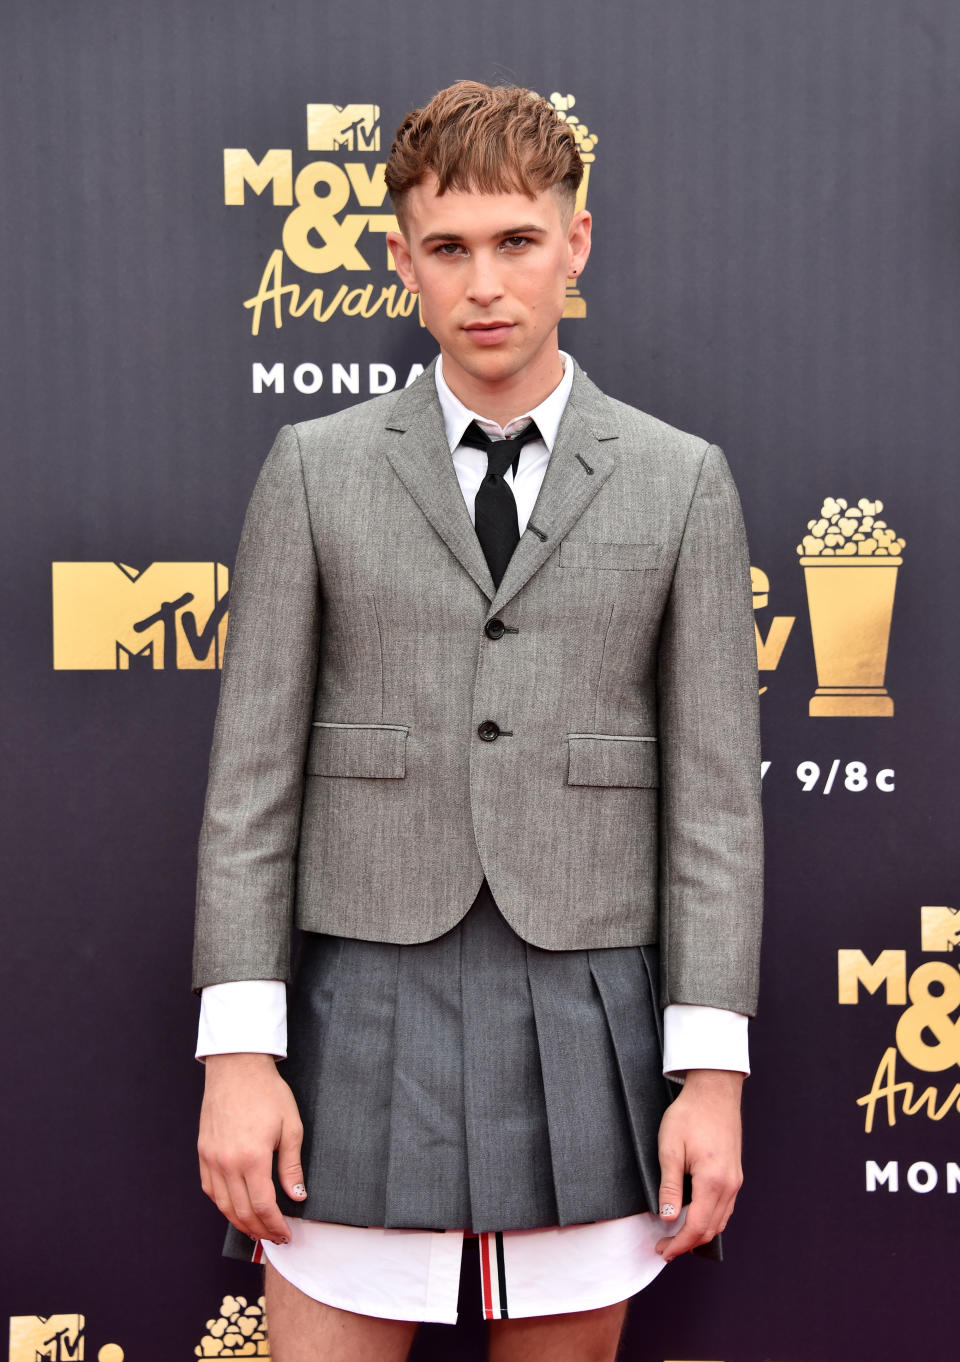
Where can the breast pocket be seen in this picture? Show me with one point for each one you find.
(581, 553)
(375, 751)
(612, 759)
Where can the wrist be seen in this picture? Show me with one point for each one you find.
(727, 1081)
(245, 1061)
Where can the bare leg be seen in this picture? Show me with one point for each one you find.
(582, 1336)
(304, 1330)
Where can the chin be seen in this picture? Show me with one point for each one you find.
(495, 366)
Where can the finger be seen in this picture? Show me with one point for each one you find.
(701, 1223)
(289, 1169)
(263, 1206)
(206, 1177)
(254, 1207)
(221, 1198)
(671, 1184)
(707, 1216)
(694, 1232)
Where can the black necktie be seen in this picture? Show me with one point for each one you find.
(495, 509)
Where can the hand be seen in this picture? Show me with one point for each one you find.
(700, 1135)
(248, 1112)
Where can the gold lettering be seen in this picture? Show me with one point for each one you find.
(315, 297)
(929, 1098)
(316, 216)
(890, 968)
(352, 302)
(770, 649)
(356, 302)
(886, 1089)
(271, 290)
(240, 170)
(370, 189)
(884, 1086)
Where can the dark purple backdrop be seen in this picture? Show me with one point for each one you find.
(776, 268)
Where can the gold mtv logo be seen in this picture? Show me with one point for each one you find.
(346, 127)
(46, 1338)
(939, 929)
(54, 1338)
(112, 617)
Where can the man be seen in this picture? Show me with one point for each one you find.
(488, 734)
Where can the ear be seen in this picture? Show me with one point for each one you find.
(403, 261)
(578, 241)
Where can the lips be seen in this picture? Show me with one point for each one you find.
(488, 333)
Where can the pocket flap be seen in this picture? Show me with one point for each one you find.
(581, 553)
(374, 750)
(612, 759)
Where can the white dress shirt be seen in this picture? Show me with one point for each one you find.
(251, 1015)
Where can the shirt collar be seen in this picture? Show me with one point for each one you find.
(456, 417)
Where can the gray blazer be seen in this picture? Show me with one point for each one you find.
(391, 728)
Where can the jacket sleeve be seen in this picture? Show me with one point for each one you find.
(251, 820)
(711, 835)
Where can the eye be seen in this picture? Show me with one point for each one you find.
(516, 242)
(449, 248)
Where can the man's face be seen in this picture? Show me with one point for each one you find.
(491, 271)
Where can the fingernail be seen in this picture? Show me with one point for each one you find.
(668, 1209)
(299, 1189)
(281, 1241)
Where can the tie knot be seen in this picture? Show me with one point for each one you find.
(500, 453)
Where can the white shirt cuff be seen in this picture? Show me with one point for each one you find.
(696, 1037)
(248, 1016)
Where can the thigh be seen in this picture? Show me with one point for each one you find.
(302, 1329)
(583, 1336)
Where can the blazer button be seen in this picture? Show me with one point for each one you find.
(489, 731)
(494, 628)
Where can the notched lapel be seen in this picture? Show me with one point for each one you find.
(420, 457)
(589, 428)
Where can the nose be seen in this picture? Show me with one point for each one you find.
(484, 285)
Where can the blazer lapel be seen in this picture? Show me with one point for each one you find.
(579, 465)
(421, 460)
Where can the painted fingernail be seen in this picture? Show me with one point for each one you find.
(299, 1189)
(281, 1241)
(668, 1209)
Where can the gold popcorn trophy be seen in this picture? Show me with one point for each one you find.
(850, 561)
(239, 1330)
(576, 305)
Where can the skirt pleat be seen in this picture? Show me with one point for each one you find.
(424, 1161)
(474, 1081)
(508, 1141)
(627, 980)
(596, 1173)
(344, 1120)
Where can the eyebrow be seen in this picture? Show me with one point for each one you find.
(527, 230)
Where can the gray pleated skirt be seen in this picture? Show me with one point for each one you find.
(474, 1081)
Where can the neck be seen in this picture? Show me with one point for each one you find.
(504, 398)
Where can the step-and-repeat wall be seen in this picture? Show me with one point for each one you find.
(193, 249)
